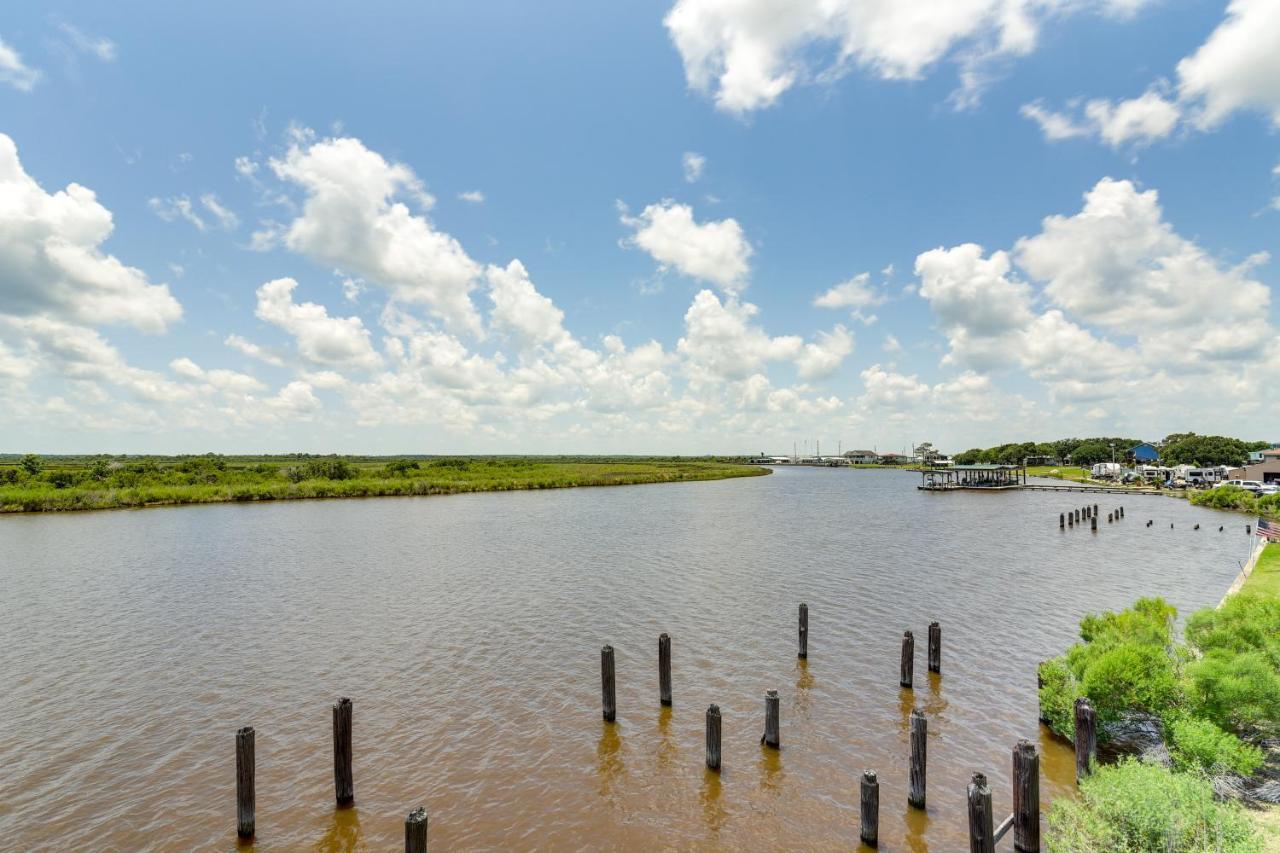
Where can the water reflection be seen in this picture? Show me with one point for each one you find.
(917, 821)
(770, 766)
(668, 749)
(713, 810)
(804, 682)
(610, 768)
(343, 833)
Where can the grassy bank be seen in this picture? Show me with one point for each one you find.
(1059, 472)
(57, 484)
(1214, 695)
(1236, 498)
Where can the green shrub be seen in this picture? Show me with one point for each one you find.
(1198, 744)
(1131, 806)
(1058, 692)
(1226, 497)
(1246, 622)
(1237, 692)
(1131, 676)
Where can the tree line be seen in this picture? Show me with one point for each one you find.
(1185, 448)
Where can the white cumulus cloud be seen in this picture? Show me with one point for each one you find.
(715, 251)
(321, 339)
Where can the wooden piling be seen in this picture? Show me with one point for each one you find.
(1122, 512)
(1109, 517)
(1095, 510)
(1062, 521)
(981, 832)
(908, 659)
(1071, 519)
(664, 669)
(246, 803)
(804, 631)
(415, 831)
(713, 737)
(1247, 528)
(919, 748)
(607, 687)
(1093, 524)
(343, 780)
(935, 647)
(1026, 798)
(869, 808)
(772, 731)
(1086, 738)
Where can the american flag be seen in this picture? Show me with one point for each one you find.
(1269, 529)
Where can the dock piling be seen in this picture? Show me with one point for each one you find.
(607, 687)
(415, 831)
(919, 748)
(772, 734)
(804, 631)
(981, 833)
(1093, 523)
(343, 780)
(1086, 738)
(1062, 521)
(246, 802)
(1026, 798)
(908, 659)
(713, 737)
(935, 647)
(664, 669)
(869, 809)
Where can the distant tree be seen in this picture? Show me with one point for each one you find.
(1192, 449)
(968, 457)
(31, 464)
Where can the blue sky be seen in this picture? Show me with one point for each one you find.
(713, 226)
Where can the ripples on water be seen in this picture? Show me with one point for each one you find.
(467, 630)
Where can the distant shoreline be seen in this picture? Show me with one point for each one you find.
(154, 484)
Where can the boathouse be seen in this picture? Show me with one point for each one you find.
(974, 477)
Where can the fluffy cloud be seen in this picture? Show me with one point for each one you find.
(747, 53)
(97, 46)
(354, 217)
(52, 263)
(473, 196)
(14, 71)
(722, 341)
(857, 293)
(1238, 67)
(1116, 266)
(1138, 121)
(715, 251)
(321, 339)
(693, 163)
(823, 357)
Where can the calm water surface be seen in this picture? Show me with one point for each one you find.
(467, 630)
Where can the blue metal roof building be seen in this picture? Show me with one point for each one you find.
(1145, 452)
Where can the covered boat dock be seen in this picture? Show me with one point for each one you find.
(974, 477)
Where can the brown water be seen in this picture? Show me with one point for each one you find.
(467, 630)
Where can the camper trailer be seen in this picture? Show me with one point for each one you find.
(1106, 471)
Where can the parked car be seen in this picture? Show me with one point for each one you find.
(1248, 485)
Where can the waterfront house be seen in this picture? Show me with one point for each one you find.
(862, 457)
(1145, 452)
(894, 459)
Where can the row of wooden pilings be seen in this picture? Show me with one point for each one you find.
(983, 836)
(1072, 517)
(415, 824)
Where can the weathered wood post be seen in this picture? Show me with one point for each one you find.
(1095, 510)
(772, 730)
(415, 831)
(1026, 798)
(869, 807)
(919, 748)
(1109, 517)
(1122, 512)
(607, 689)
(935, 647)
(664, 668)
(1071, 519)
(713, 737)
(981, 832)
(246, 804)
(1248, 528)
(804, 631)
(1093, 524)
(1062, 521)
(1086, 738)
(908, 659)
(343, 780)
(1077, 516)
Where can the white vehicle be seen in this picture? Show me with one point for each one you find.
(1202, 476)
(1105, 471)
(1248, 485)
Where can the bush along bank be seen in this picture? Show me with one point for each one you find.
(1238, 499)
(1182, 726)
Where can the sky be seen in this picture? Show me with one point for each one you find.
(707, 226)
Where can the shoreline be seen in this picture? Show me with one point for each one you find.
(148, 497)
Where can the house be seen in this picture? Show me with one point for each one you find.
(1256, 456)
(862, 457)
(1266, 471)
(1145, 452)
(894, 459)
